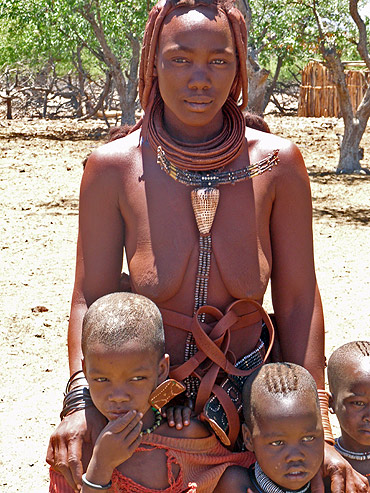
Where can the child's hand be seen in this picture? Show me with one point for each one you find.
(178, 415)
(115, 444)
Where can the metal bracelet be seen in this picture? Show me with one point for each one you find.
(75, 400)
(96, 486)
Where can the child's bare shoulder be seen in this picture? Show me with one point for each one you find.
(235, 479)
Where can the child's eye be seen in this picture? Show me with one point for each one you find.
(277, 443)
(137, 379)
(100, 379)
(309, 438)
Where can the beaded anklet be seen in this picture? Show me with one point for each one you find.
(348, 454)
(158, 421)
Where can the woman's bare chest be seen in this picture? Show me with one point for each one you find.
(162, 237)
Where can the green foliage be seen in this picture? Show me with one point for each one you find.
(35, 32)
(288, 29)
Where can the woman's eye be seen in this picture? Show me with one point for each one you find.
(179, 60)
(277, 443)
(358, 403)
(309, 438)
(218, 61)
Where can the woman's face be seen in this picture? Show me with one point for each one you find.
(196, 66)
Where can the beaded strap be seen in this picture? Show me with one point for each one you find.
(204, 200)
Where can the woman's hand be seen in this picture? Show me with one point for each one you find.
(65, 445)
(343, 478)
(115, 444)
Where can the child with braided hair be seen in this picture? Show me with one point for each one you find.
(349, 383)
(283, 428)
(188, 196)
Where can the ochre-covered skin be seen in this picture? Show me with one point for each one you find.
(262, 229)
(151, 215)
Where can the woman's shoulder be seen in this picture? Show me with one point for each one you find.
(119, 153)
(263, 144)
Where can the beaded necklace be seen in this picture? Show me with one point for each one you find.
(204, 201)
(268, 486)
(348, 454)
(158, 420)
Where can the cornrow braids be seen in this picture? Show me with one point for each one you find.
(351, 352)
(279, 379)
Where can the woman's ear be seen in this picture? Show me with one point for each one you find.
(247, 437)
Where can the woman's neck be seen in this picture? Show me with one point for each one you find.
(192, 134)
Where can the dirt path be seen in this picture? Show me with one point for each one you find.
(39, 199)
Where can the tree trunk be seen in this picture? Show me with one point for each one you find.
(126, 93)
(9, 115)
(257, 82)
(270, 90)
(355, 120)
(349, 150)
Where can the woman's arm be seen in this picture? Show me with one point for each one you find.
(99, 247)
(295, 295)
(98, 268)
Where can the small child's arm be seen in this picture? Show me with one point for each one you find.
(115, 444)
(236, 480)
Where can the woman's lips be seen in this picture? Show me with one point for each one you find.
(198, 104)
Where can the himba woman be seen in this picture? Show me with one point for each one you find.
(208, 211)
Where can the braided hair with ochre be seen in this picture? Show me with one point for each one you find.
(148, 85)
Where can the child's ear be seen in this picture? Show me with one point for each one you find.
(247, 437)
(163, 368)
(331, 403)
(83, 365)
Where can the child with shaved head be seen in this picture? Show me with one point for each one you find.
(283, 428)
(126, 367)
(349, 382)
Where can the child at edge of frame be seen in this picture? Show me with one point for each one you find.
(349, 384)
(284, 430)
(126, 367)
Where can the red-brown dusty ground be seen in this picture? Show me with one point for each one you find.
(41, 169)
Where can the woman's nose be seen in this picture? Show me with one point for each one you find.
(200, 79)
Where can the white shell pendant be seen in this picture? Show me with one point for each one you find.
(205, 202)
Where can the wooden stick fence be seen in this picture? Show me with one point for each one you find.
(318, 94)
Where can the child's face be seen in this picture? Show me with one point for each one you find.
(352, 406)
(122, 380)
(287, 439)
